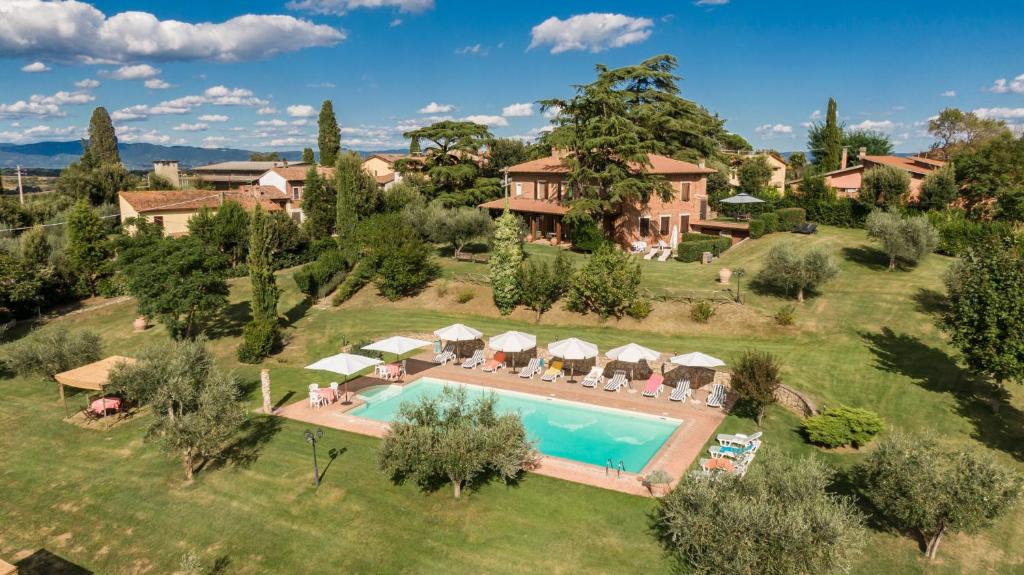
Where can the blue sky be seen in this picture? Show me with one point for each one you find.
(251, 74)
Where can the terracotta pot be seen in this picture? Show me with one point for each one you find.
(724, 275)
(140, 323)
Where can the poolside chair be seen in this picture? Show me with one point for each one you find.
(446, 355)
(742, 464)
(667, 253)
(737, 439)
(651, 253)
(594, 377)
(717, 396)
(495, 363)
(315, 399)
(654, 385)
(476, 359)
(681, 391)
(617, 381)
(531, 369)
(733, 452)
(554, 372)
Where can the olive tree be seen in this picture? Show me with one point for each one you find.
(786, 268)
(918, 485)
(907, 238)
(454, 226)
(884, 186)
(47, 352)
(755, 377)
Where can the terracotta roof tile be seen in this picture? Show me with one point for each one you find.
(527, 205)
(659, 165)
(298, 173)
(190, 200)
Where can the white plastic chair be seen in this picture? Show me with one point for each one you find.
(314, 399)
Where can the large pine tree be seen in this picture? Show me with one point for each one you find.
(102, 148)
(329, 139)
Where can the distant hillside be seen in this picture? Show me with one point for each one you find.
(135, 156)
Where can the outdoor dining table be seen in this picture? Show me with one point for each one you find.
(327, 394)
(104, 404)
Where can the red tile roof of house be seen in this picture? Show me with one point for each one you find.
(910, 164)
(659, 165)
(527, 205)
(298, 173)
(190, 200)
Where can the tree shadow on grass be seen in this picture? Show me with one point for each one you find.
(762, 288)
(997, 423)
(247, 446)
(930, 302)
(43, 562)
(230, 321)
(298, 311)
(871, 258)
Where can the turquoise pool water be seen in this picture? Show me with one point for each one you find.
(566, 429)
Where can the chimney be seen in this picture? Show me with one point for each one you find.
(843, 161)
(286, 162)
(702, 163)
(862, 152)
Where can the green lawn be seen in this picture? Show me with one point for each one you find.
(114, 504)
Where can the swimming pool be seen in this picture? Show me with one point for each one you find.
(565, 429)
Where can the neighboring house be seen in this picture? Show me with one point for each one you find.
(230, 175)
(382, 168)
(538, 191)
(775, 160)
(291, 180)
(172, 209)
(847, 181)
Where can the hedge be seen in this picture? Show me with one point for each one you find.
(758, 228)
(790, 218)
(319, 276)
(839, 212)
(693, 250)
(839, 426)
(957, 232)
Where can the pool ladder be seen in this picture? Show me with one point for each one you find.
(618, 468)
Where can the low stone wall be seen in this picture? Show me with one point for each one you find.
(795, 401)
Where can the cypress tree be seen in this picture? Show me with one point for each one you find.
(308, 156)
(319, 205)
(261, 333)
(506, 258)
(102, 148)
(830, 156)
(347, 173)
(329, 139)
(88, 246)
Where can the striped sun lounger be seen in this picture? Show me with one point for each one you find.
(617, 381)
(448, 354)
(654, 385)
(594, 377)
(717, 396)
(554, 372)
(531, 369)
(681, 391)
(475, 360)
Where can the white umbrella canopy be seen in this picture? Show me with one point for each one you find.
(632, 353)
(344, 363)
(572, 349)
(458, 332)
(697, 359)
(513, 342)
(397, 344)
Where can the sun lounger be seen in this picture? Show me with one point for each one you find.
(681, 391)
(732, 451)
(717, 396)
(531, 369)
(594, 377)
(617, 381)
(448, 354)
(554, 372)
(651, 253)
(654, 385)
(806, 228)
(738, 439)
(665, 254)
(495, 363)
(476, 359)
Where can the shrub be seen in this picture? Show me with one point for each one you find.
(692, 248)
(465, 295)
(586, 235)
(758, 228)
(884, 186)
(506, 257)
(314, 278)
(541, 285)
(702, 311)
(360, 275)
(771, 222)
(786, 315)
(839, 426)
(787, 269)
(441, 288)
(907, 238)
(608, 285)
(755, 377)
(258, 339)
(47, 353)
(790, 218)
(957, 232)
(640, 309)
(404, 269)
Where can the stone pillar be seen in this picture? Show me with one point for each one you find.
(268, 406)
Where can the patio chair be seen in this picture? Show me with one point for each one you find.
(446, 355)
(654, 385)
(476, 359)
(315, 399)
(495, 363)
(617, 381)
(665, 254)
(742, 464)
(717, 396)
(651, 253)
(681, 391)
(733, 452)
(593, 378)
(530, 369)
(554, 372)
(737, 439)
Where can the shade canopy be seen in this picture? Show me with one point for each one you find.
(742, 199)
(397, 344)
(513, 342)
(458, 332)
(632, 353)
(697, 359)
(344, 363)
(572, 349)
(92, 375)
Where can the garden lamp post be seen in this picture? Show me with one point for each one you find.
(312, 438)
(738, 273)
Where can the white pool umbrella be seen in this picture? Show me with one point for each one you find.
(572, 349)
(513, 342)
(632, 353)
(458, 332)
(397, 344)
(697, 359)
(345, 364)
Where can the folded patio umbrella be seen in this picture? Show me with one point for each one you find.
(397, 344)
(458, 332)
(345, 364)
(697, 359)
(513, 342)
(573, 348)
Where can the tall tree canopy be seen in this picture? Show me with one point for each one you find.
(957, 131)
(307, 156)
(825, 140)
(320, 204)
(88, 249)
(102, 147)
(358, 195)
(329, 138)
(987, 169)
(261, 333)
(451, 152)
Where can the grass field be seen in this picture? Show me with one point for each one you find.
(114, 504)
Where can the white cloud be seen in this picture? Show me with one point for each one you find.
(711, 2)
(213, 118)
(339, 7)
(474, 50)
(272, 123)
(134, 72)
(517, 110)
(132, 134)
(322, 85)
(74, 30)
(486, 120)
(299, 122)
(40, 133)
(289, 141)
(35, 67)
(1000, 113)
(156, 84)
(1004, 86)
(61, 98)
(215, 141)
(435, 108)
(197, 127)
(769, 131)
(815, 115)
(217, 96)
(43, 106)
(301, 111)
(875, 126)
(395, 22)
(948, 94)
(552, 112)
(593, 32)
(87, 84)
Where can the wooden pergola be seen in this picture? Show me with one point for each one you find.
(92, 376)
